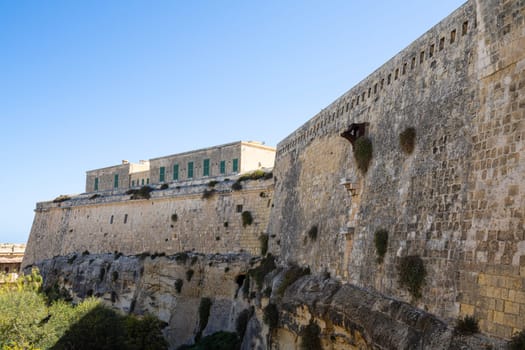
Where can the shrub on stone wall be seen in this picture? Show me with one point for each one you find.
(467, 325)
(208, 194)
(212, 183)
(310, 337)
(247, 218)
(412, 274)
(381, 243)
(236, 186)
(312, 233)
(517, 342)
(271, 316)
(141, 193)
(164, 186)
(407, 140)
(204, 315)
(363, 151)
(263, 240)
(267, 265)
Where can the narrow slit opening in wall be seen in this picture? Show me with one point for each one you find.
(347, 106)
(125, 218)
(352, 104)
(431, 51)
(465, 28)
(375, 88)
(396, 74)
(389, 79)
(357, 101)
(441, 43)
(369, 92)
(111, 220)
(382, 83)
(452, 36)
(422, 57)
(404, 69)
(413, 64)
(363, 96)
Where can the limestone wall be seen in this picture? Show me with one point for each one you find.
(457, 200)
(173, 220)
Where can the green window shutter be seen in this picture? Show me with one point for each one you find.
(235, 165)
(115, 181)
(162, 174)
(206, 167)
(190, 170)
(223, 167)
(176, 172)
(147, 181)
(142, 182)
(132, 183)
(96, 184)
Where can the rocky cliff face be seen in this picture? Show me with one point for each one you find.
(173, 288)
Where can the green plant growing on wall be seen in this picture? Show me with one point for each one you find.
(189, 274)
(204, 315)
(212, 183)
(271, 316)
(290, 276)
(164, 186)
(467, 325)
(247, 218)
(266, 266)
(412, 274)
(517, 342)
(407, 140)
(142, 193)
(208, 194)
(236, 186)
(310, 337)
(381, 243)
(263, 240)
(363, 151)
(312, 233)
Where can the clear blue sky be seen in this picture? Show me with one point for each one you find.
(87, 83)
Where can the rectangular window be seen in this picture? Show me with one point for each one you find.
(441, 44)
(115, 181)
(452, 36)
(132, 183)
(235, 165)
(96, 184)
(142, 182)
(206, 167)
(176, 172)
(147, 181)
(431, 52)
(190, 170)
(222, 167)
(162, 174)
(125, 218)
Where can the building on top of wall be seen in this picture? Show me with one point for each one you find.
(224, 160)
(11, 256)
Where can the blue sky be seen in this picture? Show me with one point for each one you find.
(85, 84)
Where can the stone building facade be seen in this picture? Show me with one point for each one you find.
(11, 256)
(223, 160)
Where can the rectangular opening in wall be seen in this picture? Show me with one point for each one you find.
(369, 92)
(95, 187)
(452, 36)
(238, 209)
(413, 64)
(147, 181)
(404, 68)
(389, 79)
(382, 83)
(222, 167)
(465, 28)
(162, 174)
(206, 167)
(347, 106)
(441, 43)
(142, 182)
(132, 183)
(396, 74)
(375, 88)
(111, 220)
(115, 181)
(363, 96)
(357, 101)
(125, 218)
(431, 51)
(175, 172)
(235, 165)
(190, 170)
(422, 57)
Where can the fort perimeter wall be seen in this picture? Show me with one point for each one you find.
(457, 201)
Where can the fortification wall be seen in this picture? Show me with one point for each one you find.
(114, 222)
(457, 201)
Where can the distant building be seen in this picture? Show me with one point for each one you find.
(11, 256)
(223, 160)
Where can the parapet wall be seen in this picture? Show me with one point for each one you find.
(457, 201)
(173, 220)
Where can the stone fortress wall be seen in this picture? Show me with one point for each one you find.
(457, 201)
(176, 219)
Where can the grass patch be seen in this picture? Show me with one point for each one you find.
(263, 240)
(517, 342)
(61, 198)
(363, 151)
(290, 276)
(407, 140)
(312, 233)
(271, 316)
(267, 265)
(141, 193)
(381, 243)
(412, 274)
(208, 193)
(467, 325)
(247, 218)
(310, 337)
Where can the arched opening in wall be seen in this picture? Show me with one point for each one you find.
(452, 36)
